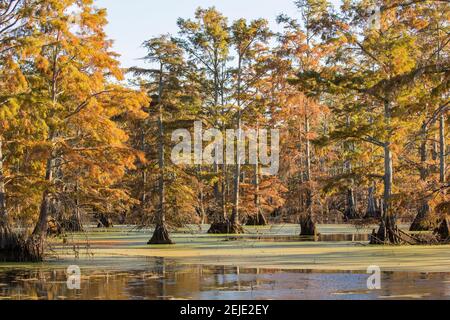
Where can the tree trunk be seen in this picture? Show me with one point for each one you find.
(307, 149)
(219, 191)
(258, 219)
(373, 211)
(36, 242)
(104, 221)
(216, 183)
(41, 226)
(221, 224)
(442, 149)
(225, 227)
(423, 220)
(237, 173)
(34, 246)
(223, 200)
(388, 231)
(307, 224)
(308, 227)
(161, 234)
(3, 213)
(435, 149)
(73, 223)
(443, 230)
(9, 242)
(351, 213)
(388, 166)
(202, 206)
(143, 203)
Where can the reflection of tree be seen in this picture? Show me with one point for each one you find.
(165, 279)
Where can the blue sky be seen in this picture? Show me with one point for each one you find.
(133, 21)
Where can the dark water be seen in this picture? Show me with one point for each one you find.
(166, 279)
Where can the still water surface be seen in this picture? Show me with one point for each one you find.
(157, 278)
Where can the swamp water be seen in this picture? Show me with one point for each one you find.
(121, 267)
(153, 278)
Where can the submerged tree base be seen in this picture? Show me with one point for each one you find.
(351, 214)
(373, 214)
(423, 225)
(160, 236)
(225, 227)
(308, 227)
(14, 249)
(104, 221)
(424, 220)
(9, 243)
(387, 233)
(72, 225)
(54, 228)
(57, 228)
(390, 234)
(34, 249)
(256, 220)
(442, 232)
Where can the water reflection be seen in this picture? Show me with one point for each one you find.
(166, 279)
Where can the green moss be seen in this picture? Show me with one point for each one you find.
(247, 251)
